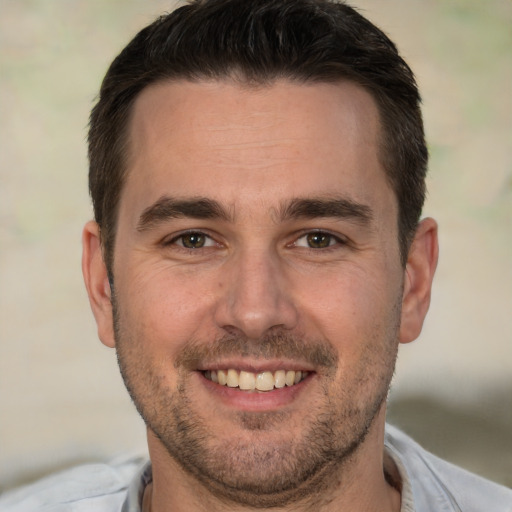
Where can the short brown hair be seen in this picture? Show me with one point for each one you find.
(259, 41)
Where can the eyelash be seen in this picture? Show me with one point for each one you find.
(333, 241)
(181, 236)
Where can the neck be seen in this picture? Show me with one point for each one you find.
(364, 483)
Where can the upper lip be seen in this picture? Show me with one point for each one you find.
(257, 365)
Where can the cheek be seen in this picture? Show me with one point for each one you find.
(359, 314)
(350, 304)
(164, 309)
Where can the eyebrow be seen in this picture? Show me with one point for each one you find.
(167, 208)
(341, 208)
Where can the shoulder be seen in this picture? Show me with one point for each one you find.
(91, 487)
(432, 480)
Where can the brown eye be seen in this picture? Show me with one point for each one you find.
(193, 240)
(319, 240)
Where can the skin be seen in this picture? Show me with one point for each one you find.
(259, 292)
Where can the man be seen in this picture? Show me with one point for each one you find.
(257, 174)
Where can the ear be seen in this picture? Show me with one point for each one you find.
(419, 273)
(97, 284)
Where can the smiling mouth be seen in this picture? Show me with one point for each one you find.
(262, 381)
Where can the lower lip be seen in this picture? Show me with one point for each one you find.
(256, 401)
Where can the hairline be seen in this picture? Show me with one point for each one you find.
(238, 78)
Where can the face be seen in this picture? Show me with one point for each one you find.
(258, 285)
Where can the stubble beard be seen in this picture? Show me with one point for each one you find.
(262, 468)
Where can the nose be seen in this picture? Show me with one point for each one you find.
(256, 296)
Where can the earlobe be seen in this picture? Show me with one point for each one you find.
(97, 283)
(419, 273)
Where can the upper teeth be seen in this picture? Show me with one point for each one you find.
(263, 381)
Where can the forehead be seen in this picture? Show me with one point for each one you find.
(221, 139)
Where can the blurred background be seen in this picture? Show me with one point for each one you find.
(61, 399)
